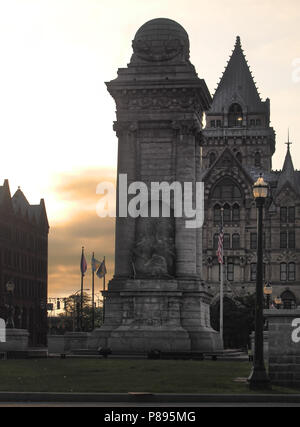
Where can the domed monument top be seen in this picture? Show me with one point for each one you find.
(161, 40)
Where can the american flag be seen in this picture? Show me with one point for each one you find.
(220, 246)
(83, 263)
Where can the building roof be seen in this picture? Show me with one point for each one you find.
(19, 205)
(288, 173)
(237, 85)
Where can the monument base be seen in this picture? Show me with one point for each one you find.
(165, 315)
(16, 340)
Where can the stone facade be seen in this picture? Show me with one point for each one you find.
(238, 145)
(284, 353)
(157, 299)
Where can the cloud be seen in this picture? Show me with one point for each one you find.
(81, 227)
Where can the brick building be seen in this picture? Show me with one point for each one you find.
(238, 145)
(23, 260)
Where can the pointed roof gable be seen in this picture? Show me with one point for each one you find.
(288, 174)
(237, 85)
(5, 197)
(20, 203)
(219, 162)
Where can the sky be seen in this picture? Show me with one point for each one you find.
(56, 115)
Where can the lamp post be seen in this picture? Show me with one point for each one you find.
(268, 292)
(278, 302)
(258, 379)
(10, 287)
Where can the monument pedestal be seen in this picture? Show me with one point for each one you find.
(16, 340)
(165, 315)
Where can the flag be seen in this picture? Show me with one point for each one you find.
(83, 263)
(95, 264)
(220, 246)
(101, 272)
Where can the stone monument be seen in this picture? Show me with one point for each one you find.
(157, 299)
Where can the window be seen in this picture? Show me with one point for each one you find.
(236, 244)
(253, 272)
(216, 241)
(235, 116)
(291, 214)
(292, 239)
(226, 190)
(227, 214)
(288, 239)
(257, 160)
(258, 122)
(219, 123)
(283, 240)
(212, 159)
(226, 243)
(283, 214)
(253, 241)
(230, 271)
(252, 122)
(235, 213)
(292, 272)
(283, 272)
(289, 300)
(217, 214)
(212, 123)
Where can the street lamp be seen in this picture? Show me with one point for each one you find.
(258, 379)
(10, 287)
(268, 290)
(278, 302)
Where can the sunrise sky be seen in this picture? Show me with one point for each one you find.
(56, 115)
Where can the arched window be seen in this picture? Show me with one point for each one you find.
(288, 300)
(216, 241)
(283, 271)
(257, 160)
(236, 213)
(212, 159)
(230, 270)
(226, 242)
(292, 272)
(227, 214)
(236, 244)
(235, 116)
(239, 157)
(226, 190)
(217, 214)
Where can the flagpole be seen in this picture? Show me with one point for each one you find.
(104, 285)
(222, 290)
(93, 293)
(81, 296)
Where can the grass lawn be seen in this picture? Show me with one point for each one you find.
(122, 376)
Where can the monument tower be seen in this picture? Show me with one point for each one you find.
(157, 299)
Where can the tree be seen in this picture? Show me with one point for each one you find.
(238, 320)
(69, 320)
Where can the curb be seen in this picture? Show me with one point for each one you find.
(147, 398)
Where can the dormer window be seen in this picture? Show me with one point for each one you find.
(235, 116)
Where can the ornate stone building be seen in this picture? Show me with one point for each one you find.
(24, 261)
(238, 145)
